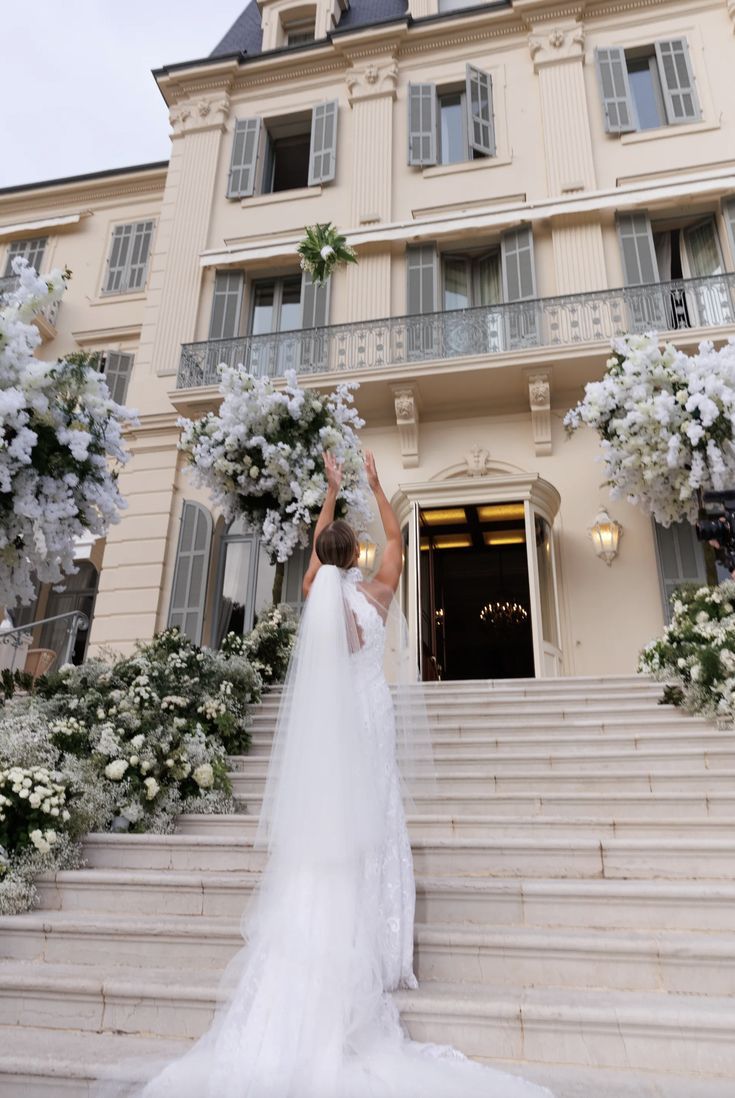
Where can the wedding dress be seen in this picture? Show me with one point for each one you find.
(306, 1009)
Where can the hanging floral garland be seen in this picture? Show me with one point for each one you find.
(322, 250)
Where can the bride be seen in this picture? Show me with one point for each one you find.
(306, 1009)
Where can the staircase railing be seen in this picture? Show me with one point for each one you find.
(77, 621)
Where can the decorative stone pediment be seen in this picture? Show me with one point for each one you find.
(203, 113)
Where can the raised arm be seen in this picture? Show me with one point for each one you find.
(391, 564)
(333, 471)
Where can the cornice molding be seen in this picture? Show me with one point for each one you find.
(51, 198)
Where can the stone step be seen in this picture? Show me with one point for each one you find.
(524, 714)
(603, 758)
(44, 1063)
(499, 856)
(535, 902)
(244, 827)
(486, 782)
(686, 963)
(558, 742)
(651, 1031)
(616, 805)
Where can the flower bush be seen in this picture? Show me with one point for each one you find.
(667, 422)
(269, 645)
(60, 435)
(261, 456)
(322, 249)
(123, 746)
(695, 655)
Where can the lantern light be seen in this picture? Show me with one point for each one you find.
(606, 534)
(366, 560)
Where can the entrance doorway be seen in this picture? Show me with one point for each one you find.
(476, 620)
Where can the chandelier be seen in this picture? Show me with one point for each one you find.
(499, 615)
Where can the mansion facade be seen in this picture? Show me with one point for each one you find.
(522, 180)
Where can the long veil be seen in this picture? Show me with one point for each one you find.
(302, 1010)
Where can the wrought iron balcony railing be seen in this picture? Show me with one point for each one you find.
(10, 282)
(486, 330)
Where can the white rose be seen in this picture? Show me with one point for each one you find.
(204, 776)
(134, 760)
(152, 788)
(116, 769)
(326, 251)
(254, 472)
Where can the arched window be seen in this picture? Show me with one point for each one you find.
(245, 581)
(189, 587)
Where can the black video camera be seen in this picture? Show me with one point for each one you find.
(717, 523)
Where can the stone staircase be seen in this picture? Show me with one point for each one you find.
(575, 909)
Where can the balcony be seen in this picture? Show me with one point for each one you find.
(45, 321)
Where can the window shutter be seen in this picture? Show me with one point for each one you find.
(118, 259)
(421, 271)
(190, 573)
(680, 560)
(118, 367)
(677, 81)
(422, 124)
(224, 321)
(142, 234)
(479, 101)
(32, 250)
(519, 285)
(639, 254)
(729, 212)
(314, 303)
(617, 101)
(323, 148)
(245, 141)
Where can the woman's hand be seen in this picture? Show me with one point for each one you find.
(372, 472)
(333, 471)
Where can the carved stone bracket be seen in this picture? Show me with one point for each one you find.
(373, 80)
(199, 114)
(478, 461)
(560, 43)
(539, 400)
(405, 400)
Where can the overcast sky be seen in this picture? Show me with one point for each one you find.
(78, 95)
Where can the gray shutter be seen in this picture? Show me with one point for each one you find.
(314, 315)
(479, 102)
(142, 234)
(422, 124)
(323, 148)
(422, 286)
(617, 101)
(677, 81)
(32, 250)
(649, 307)
(728, 209)
(117, 370)
(519, 285)
(224, 321)
(117, 261)
(680, 560)
(245, 141)
(189, 587)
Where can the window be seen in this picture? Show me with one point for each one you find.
(127, 263)
(79, 592)
(284, 154)
(32, 250)
(647, 87)
(245, 583)
(300, 32)
(282, 305)
(189, 587)
(452, 124)
(117, 366)
(685, 256)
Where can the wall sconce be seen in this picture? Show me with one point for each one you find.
(366, 560)
(606, 534)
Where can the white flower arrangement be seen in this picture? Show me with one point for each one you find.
(60, 437)
(667, 424)
(695, 655)
(322, 249)
(260, 457)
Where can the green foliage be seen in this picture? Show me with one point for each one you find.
(322, 249)
(269, 646)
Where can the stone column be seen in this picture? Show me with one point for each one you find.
(556, 42)
(371, 89)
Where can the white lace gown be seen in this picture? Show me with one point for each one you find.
(307, 1010)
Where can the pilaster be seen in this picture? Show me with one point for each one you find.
(579, 255)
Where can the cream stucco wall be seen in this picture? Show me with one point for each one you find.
(555, 168)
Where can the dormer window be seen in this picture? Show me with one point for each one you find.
(300, 32)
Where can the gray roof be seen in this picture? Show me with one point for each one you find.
(245, 34)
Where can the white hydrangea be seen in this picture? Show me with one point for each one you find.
(115, 770)
(204, 776)
(59, 410)
(260, 456)
(666, 420)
